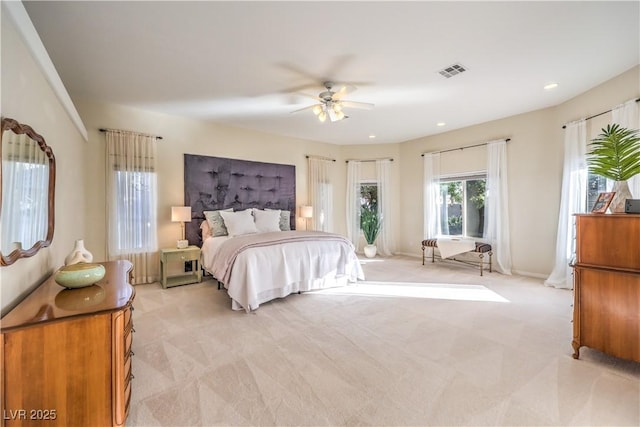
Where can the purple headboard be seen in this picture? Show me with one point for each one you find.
(212, 183)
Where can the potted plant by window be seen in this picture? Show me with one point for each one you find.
(370, 224)
(615, 155)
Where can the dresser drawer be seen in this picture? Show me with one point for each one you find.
(127, 317)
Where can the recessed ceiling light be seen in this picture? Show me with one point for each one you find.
(372, 136)
(440, 124)
(550, 86)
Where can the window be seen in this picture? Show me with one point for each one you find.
(325, 207)
(369, 196)
(135, 212)
(462, 205)
(595, 185)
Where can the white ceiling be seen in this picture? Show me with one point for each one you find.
(240, 62)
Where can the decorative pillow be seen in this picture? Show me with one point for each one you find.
(267, 220)
(285, 220)
(216, 223)
(285, 224)
(239, 223)
(206, 230)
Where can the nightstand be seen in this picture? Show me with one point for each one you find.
(175, 255)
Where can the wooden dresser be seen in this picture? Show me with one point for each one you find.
(606, 313)
(66, 354)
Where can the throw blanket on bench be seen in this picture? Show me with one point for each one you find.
(451, 247)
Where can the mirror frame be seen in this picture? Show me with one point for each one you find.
(19, 128)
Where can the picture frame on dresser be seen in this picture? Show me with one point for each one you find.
(602, 202)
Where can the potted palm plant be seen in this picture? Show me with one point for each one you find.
(370, 224)
(615, 155)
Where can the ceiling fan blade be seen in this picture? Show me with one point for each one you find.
(306, 108)
(343, 89)
(354, 104)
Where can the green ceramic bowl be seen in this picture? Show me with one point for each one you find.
(79, 275)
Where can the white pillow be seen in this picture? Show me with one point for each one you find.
(285, 224)
(267, 220)
(239, 223)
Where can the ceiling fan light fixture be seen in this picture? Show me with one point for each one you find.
(317, 109)
(322, 116)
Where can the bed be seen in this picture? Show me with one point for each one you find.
(256, 268)
(243, 218)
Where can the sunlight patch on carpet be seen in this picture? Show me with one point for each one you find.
(417, 290)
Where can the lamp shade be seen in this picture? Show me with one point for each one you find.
(181, 213)
(306, 211)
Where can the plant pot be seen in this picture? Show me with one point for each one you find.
(370, 251)
(622, 194)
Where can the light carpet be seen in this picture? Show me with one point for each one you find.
(413, 345)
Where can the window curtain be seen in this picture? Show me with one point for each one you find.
(573, 200)
(321, 194)
(628, 115)
(385, 242)
(132, 203)
(496, 218)
(353, 202)
(431, 197)
(25, 189)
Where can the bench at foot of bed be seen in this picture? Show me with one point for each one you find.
(480, 250)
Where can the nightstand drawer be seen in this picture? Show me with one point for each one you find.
(185, 255)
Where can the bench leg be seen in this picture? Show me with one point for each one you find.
(490, 253)
(422, 254)
(481, 262)
(433, 254)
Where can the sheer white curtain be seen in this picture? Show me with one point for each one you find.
(353, 202)
(431, 189)
(573, 200)
(628, 115)
(25, 189)
(132, 202)
(385, 242)
(496, 218)
(321, 193)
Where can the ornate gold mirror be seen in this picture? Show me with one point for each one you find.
(27, 192)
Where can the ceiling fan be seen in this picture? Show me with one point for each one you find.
(331, 103)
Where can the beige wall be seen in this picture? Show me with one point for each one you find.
(28, 98)
(182, 136)
(535, 155)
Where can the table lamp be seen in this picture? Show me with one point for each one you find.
(181, 214)
(306, 212)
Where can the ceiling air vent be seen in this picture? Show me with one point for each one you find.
(452, 70)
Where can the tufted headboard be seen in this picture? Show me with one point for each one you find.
(212, 183)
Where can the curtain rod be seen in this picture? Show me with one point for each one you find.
(599, 114)
(462, 148)
(319, 157)
(121, 131)
(368, 160)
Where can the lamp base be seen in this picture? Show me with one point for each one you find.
(181, 244)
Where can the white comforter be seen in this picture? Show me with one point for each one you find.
(262, 272)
